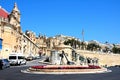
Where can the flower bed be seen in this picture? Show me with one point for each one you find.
(94, 67)
(66, 67)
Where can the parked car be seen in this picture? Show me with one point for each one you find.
(37, 57)
(30, 58)
(4, 63)
(117, 66)
(17, 59)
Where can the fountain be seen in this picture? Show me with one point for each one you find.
(60, 67)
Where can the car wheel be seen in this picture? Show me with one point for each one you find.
(25, 63)
(2, 67)
(19, 63)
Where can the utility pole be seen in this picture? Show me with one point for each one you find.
(83, 35)
(83, 39)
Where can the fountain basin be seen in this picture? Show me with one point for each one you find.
(65, 67)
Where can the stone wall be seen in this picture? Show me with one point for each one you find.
(104, 58)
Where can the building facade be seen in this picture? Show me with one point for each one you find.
(14, 40)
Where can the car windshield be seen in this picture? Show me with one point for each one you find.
(12, 57)
(21, 57)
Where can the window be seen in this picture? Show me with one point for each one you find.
(21, 57)
(12, 57)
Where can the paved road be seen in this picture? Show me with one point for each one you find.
(14, 73)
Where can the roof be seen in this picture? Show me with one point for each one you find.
(3, 13)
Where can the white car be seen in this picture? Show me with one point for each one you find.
(17, 59)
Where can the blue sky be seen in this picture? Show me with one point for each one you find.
(100, 19)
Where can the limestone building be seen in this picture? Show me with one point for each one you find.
(13, 38)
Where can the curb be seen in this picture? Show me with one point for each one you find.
(33, 72)
(45, 62)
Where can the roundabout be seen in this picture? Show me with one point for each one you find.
(60, 64)
(65, 69)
